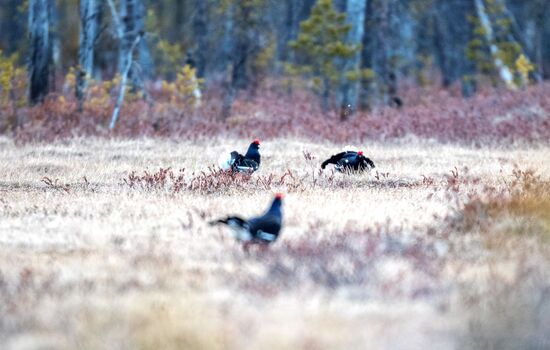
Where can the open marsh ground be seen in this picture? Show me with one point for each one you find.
(439, 247)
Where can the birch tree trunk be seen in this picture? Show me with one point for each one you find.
(127, 17)
(504, 72)
(129, 27)
(89, 15)
(355, 16)
(122, 87)
(40, 51)
(129, 38)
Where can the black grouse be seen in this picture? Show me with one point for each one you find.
(349, 161)
(235, 161)
(262, 230)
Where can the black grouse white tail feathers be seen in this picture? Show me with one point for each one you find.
(263, 229)
(349, 161)
(235, 161)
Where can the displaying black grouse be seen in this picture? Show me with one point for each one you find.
(249, 163)
(263, 229)
(349, 161)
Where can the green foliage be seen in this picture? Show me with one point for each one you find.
(321, 42)
(477, 50)
(12, 82)
(262, 60)
(248, 17)
(98, 93)
(425, 63)
(524, 67)
(167, 56)
(184, 90)
(23, 7)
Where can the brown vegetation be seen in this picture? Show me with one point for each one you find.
(495, 116)
(98, 249)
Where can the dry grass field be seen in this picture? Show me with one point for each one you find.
(440, 247)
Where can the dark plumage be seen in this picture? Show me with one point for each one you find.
(250, 162)
(349, 161)
(263, 229)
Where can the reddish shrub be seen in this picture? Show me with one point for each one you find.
(492, 116)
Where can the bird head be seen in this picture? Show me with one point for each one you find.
(360, 153)
(253, 150)
(276, 205)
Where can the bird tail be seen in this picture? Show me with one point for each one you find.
(225, 161)
(370, 162)
(217, 222)
(238, 226)
(332, 160)
(233, 221)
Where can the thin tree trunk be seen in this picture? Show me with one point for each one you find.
(355, 16)
(144, 55)
(200, 31)
(129, 9)
(243, 45)
(123, 79)
(228, 93)
(545, 33)
(40, 53)
(443, 41)
(453, 33)
(383, 50)
(11, 27)
(325, 96)
(466, 33)
(89, 15)
(180, 17)
(367, 49)
(127, 19)
(288, 31)
(504, 72)
(539, 41)
(55, 45)
(119, 27)
(228, 89)
(129, 39)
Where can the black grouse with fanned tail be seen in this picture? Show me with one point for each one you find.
(263, 229)
(349, 161)
(248, 163)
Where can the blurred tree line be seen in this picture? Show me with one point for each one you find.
(350, 53)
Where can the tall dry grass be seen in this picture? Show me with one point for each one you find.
(101, 249)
